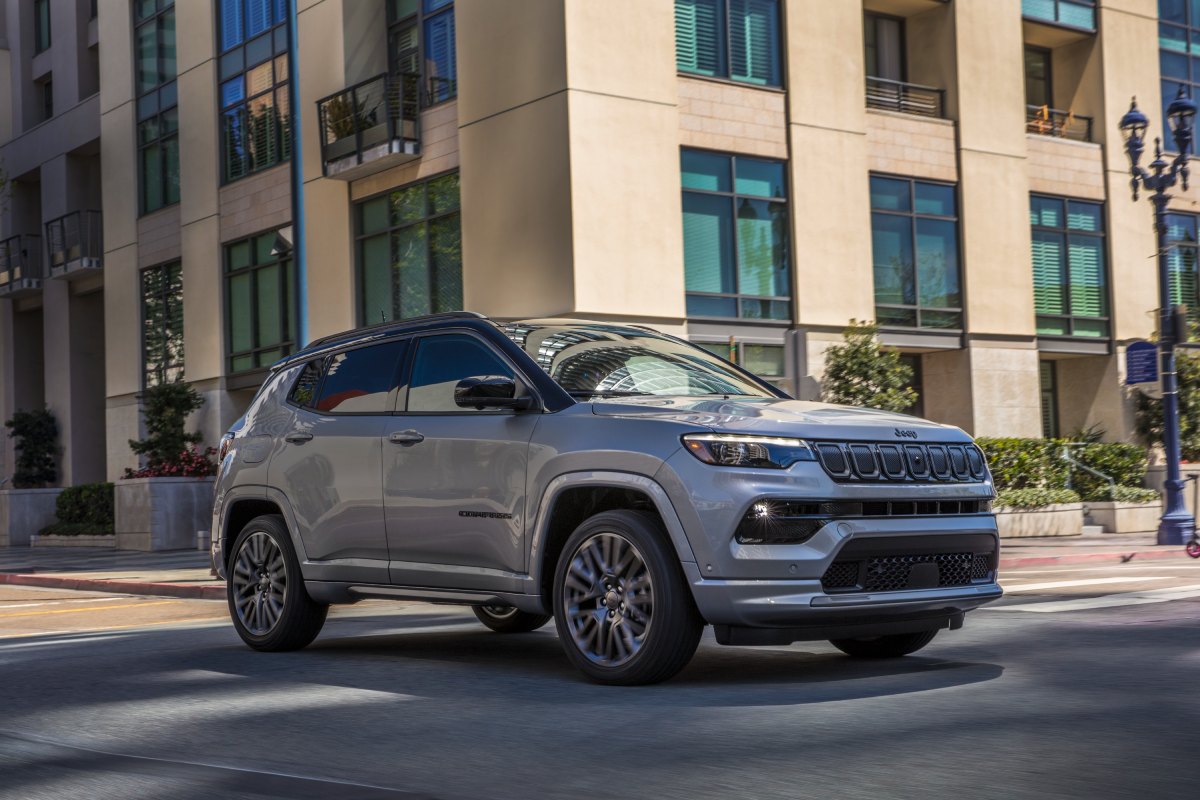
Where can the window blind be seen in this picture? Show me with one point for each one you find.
(700, 36)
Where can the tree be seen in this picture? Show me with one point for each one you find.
(1148, 411)
(860, 373)
(36, 435)
(168, 447)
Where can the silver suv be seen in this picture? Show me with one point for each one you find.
(628, 484)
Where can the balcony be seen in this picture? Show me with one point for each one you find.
(1078, 14)
(371, 126)
(905, 98)
(20, 266)
(1046, 121)
(75, 243)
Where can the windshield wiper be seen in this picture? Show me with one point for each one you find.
(604, 393)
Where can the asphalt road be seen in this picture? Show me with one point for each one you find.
(1080, 684)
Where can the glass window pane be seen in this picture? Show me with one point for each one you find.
(281, 68)
(1181, 227)
(443, 361)
(1181, 266)
(706, 171)
(700, 37)
(1046, 212)
(408, 204)
(936, 199)
(258, 79)
(889, 194)
(171, 170)
(1084, 217)
(240, 335)
(443, 194)
(708, 243)
(167, 24)
(937, 264)
(720, 349)
(445, 253)
(264, 244)
(764, 309)
(270, 305)
(763, 359)
(762, 248)
(373, 215)
(258, 16)
(1172, 11)
(1088, 292)
(1172, 38)
(892, 259)
(896, 317)
(239, 255)
(1049, 273)
(144, 8)
(760, 178)
(375, 256)
(1037, 77)
(360, 381)
(441, 70)
(941, 320)
(259, 50)
(232, 63)
(702, 306)
(232, 32)
(399, 9)
(232, 91)
(754, 41)
(412, 271)
(152, 178)
(146, 56)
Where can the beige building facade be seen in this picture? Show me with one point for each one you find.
(749, 174)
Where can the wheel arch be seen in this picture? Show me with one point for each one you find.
(241, 507)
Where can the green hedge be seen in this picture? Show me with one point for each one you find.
(1124, 463)
(1033, 498)
(1123, 494)
(84, 509)
(1034, 464)
(1025, 463)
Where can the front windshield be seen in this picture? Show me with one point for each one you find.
(614, 361)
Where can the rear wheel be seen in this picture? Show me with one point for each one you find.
(622, 607)
(894, 646)
(270, 607)
(506, 619)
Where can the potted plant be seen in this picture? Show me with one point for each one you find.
(1031, 478)
(161, 505)
(27, 505)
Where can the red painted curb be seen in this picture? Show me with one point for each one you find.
(1085, 558)
(188, 591)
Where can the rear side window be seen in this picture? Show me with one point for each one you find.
(361, 381)
(305, 389)
(443, 361)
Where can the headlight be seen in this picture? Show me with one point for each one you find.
(226, 443)
(735, 450)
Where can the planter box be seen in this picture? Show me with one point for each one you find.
(1064, 519)
(1125, 517)
(1157, 475)
(99, 540)
(24, 512)
(162, 513)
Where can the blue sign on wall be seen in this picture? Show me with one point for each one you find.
(1141, 363)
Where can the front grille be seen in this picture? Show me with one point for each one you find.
(880, 462)
(898, 572)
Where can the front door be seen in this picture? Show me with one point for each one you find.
(454, 479)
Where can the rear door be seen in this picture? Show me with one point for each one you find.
(330, 466)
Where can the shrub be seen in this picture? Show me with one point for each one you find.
(1024, 463)
(1124, 463)
(36, 435)
(1033, 498)
(1148, 411)
(859, 373)
(191, 463)
(169, 449)
(85, 509)
(1121, 494)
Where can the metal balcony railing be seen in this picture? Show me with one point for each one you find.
(906, 98)
(1046, 121)
(1073, 13)
(75, 241)
(369, 121)
(20, 263)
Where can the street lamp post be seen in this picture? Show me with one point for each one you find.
(1177, 524)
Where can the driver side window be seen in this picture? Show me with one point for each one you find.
(441, 362)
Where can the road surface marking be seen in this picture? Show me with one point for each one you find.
(5, 606)
(1106, 601)
(1037, 587)
(1142, 566)
(93, 608)
(209, 621)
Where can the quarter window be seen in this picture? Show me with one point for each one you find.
(1070, 292)
(735, 236)
(735, 39)
(158, 117)
(410, 251)
(305, 390)
(260, 302)
(361, 381)
(914, 242)
(162, 324)
(443, 361)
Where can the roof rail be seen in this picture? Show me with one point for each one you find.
(398, 324)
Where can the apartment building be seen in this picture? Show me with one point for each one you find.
(749, 174)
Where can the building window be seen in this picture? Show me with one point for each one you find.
(158, 117)
(1075, 13)
(735, 236)
(735, 39)
(916, 383)
(764, 360)
(256, 123)
(1181, 262)
(1048, 381)
(260, 303)
(1179, 51)
(1038, 91)
(41, 25)
(409, 246)
(914, 240)
(1070, 291)
(421, 41)
(162, 324)
(47, 99)
(883, 38)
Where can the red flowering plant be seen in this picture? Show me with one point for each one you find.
(169, 450)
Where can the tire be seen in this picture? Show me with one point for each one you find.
(269, 606)
(623, 610)
(506, 619)
(900, 644)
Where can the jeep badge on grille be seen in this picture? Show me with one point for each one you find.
(905, 433)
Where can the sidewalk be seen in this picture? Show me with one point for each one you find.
(185, 573)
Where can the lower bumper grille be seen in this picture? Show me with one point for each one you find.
(890, 573)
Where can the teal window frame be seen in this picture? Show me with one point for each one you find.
(910, 221)
(420, 231)
(252, 86)
(162, 324)
(274, 337)
(1060, 302)
(716, 39)
(157, 130)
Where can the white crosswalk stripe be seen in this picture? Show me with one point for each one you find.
(1105, 601)
(1037, 587)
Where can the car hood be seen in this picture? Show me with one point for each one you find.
(774, 416)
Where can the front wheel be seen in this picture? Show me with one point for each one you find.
(506, 619)
(623, 610)
(270, 607)
(894, 646)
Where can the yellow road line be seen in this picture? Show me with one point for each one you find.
(111, 627)
(93, 608)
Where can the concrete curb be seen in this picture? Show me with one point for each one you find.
(1086, 558)
(188, 591)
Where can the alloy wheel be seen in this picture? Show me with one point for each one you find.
(609, 599)
(500, 612)
(259, 581)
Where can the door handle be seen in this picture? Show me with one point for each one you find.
(406, 437)
(298, 437)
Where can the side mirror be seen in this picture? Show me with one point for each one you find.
(490, 391)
